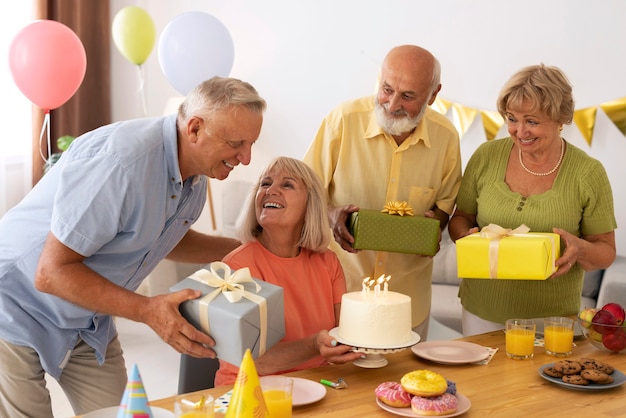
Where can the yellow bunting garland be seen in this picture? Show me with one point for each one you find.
(616, 111)
(492, 121)
(398, 208)
(585, 119)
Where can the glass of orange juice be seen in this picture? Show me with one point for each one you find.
(277, 391)
(520, 338)
(194, 405)
(558, 335)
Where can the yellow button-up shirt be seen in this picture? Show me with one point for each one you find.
(359, 164)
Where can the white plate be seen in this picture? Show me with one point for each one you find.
(415, 338)
(306, 391)
(111, 412)
(618, 379)
(463, 405)
(451, 352)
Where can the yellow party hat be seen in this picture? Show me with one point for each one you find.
(247, 400)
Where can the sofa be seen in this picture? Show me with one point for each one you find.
(600, 286)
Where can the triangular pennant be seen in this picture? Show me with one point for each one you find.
(134, 401)
(441, 105)
(465, 116)
(247, 400)
(585, 120)
(616, 111)
(492, 122)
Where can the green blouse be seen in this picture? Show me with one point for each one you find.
(580, 202)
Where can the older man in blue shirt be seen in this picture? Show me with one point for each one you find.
(121, 198)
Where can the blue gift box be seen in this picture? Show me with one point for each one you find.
(256, 321)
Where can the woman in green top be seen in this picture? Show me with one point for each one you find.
(535, 178)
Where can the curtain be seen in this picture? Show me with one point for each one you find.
(90, 107)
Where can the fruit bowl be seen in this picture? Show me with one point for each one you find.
(610, 338)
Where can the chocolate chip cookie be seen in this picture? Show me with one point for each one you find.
(575, 379)
(568, 367)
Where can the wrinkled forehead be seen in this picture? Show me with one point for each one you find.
(403, 76)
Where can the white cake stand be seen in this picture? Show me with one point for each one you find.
(374, 357)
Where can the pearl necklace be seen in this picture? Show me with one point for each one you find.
(548, 172)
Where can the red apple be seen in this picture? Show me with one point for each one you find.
(617, 311)
(615, 341)
(587, 316)
(603, 318)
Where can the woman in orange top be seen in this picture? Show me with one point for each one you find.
(285, 232)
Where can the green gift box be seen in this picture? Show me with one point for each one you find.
(376, 230)
(256, 321)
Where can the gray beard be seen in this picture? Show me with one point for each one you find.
(396, 127)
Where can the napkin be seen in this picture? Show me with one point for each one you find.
(492, 352)
(221, 403)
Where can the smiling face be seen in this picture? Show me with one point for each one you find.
(405, 89)
(281, 201)
(222, 141)
(532, 130)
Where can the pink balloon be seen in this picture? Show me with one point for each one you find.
(48, 63)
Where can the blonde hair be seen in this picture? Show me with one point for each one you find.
(546, 88)
(316, 229)
(218, 93)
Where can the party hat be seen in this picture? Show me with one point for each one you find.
(247, 400)
(134, 402)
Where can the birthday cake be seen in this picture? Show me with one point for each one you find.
(375, 319)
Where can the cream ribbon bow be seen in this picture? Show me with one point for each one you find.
(494, 233)
(231, 286)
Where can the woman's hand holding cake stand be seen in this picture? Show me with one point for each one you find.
(333, 351)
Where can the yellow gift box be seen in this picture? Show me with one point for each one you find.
(498, 253)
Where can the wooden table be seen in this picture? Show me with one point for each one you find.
(502, 388)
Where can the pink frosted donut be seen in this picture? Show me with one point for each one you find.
(392, 394)
(438, 405)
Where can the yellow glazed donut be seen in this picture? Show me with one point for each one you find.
(424, 383)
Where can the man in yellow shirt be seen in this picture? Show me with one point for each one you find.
(390, 146)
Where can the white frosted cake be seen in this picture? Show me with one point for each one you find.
(371, 320)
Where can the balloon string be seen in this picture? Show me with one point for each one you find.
(45, 127)
(141, 90)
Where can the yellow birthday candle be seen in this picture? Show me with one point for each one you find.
(247, 400)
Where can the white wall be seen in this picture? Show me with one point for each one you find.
(305, 57)
(15, 116)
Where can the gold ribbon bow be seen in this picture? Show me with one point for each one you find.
(231, 286)
(494, 233)
(398, 208)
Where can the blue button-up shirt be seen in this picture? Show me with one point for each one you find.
(116, 196)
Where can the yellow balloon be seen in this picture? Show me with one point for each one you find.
(134, 34)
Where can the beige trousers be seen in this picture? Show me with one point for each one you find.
(87, 385)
